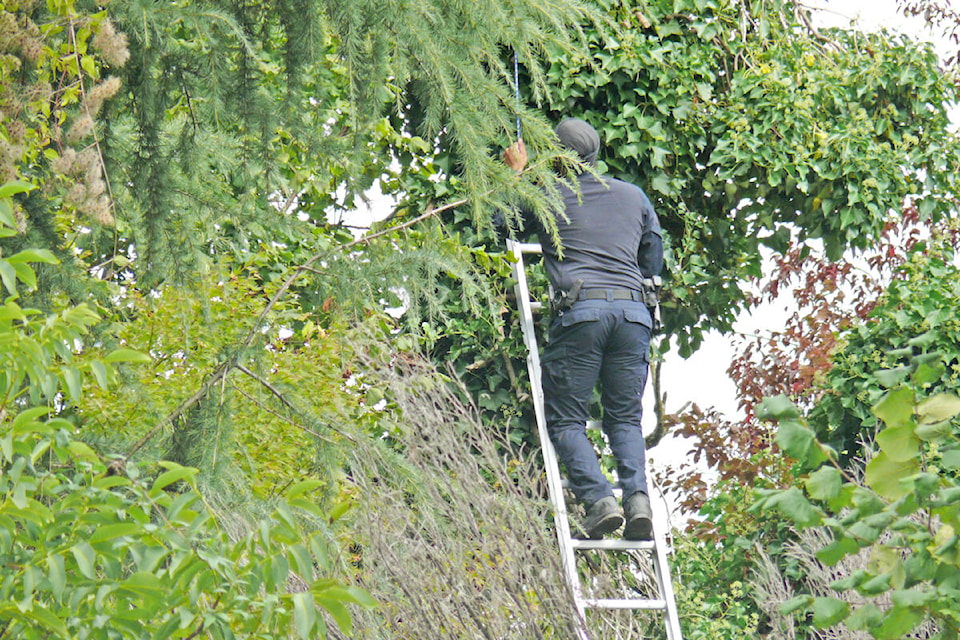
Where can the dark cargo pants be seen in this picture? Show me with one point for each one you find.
(607, 342)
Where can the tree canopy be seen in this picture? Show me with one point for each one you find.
(200, 384)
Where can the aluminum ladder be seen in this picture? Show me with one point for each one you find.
(569, 546)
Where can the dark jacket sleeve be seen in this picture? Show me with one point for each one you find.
(650, 253)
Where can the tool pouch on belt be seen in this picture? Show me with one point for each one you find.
(560, 301)
(651, 291)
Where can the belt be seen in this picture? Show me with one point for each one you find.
(610, 294)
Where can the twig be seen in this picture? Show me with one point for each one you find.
(294, 423)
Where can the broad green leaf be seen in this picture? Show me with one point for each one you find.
(899, 443)
(56, 575)
(127, 355)
(928, 373)
(837, 550)
(912, 597)
(795, 439)
(74, 382)
(304, 614)
(938, 408)
(14, 187)
(824, 483)
(950, 459)
(174, 473)
(8, 275)
(829, 611)
(85, 556)
(100, 373)
(864, 618)
(304, 486)
(795, 604)
(777, 408)
(850, 582)
(895, 408)
(112, 531)
(892, 377)
(883, 475)
(935, 432)
(897, 623)
(793, 504)
(34, 255)
(875, 585)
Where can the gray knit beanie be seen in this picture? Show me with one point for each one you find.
(577, 135)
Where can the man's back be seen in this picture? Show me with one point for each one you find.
(611, 238)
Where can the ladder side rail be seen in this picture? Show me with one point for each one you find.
(662, 570)
(551, 465)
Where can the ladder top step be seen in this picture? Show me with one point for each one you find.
(614, 545)
(610, 603)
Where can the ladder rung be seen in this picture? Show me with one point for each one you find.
(610, 603)
(613, 545)
(529, 247)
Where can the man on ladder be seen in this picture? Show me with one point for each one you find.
(604, 304)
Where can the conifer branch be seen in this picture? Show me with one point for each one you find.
(220, 373)
(277, 414)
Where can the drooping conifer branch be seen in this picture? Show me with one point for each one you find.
(219, 374)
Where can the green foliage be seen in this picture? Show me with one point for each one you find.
(93, 550)
(903, 513)
(921, 300)
(747, 129)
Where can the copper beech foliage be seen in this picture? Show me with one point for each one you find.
(826, 297)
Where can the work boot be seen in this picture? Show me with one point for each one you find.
(603, 517)
(639, 517)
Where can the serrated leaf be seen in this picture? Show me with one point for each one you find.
(938, 408)
(829, 611)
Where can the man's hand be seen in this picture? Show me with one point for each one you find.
(515, 156)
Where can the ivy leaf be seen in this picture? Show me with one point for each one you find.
(950, 459)
(829, 611)
(890, 378)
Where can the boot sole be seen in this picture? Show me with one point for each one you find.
(608, 525)
(639, 528)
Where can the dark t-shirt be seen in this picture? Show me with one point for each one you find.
(611, 240)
